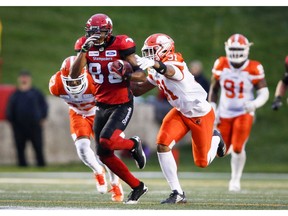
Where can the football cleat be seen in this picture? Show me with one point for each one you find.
(117, 192)
(101, 183)
(221, 146)
(138, 153)
(234, 186)
(174, 198)
(136, 193)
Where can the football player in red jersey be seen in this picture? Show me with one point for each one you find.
(281, 88)
(191, 112)
(114, 99)
(79, 95)
(237, 77)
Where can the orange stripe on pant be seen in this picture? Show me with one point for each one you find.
(175, 126)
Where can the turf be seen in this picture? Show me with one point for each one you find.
(204, 191)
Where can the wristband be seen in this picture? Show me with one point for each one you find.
(162, 69)
(83, 50)
(278, 98)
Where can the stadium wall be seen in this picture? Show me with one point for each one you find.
(59, 147)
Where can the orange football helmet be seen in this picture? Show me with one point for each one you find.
(158, 47)
(73, 86)
(237, 48)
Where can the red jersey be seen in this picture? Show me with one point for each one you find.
(109, 90)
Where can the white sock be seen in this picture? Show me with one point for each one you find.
(87, 156)
(213, 149)
(114, 179)
(169, 169)
(237, 165)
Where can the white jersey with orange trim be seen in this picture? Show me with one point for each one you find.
(181, 90)
(82, 104)
(237, 85)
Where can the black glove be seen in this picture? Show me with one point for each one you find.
(277, 103)
(88, 43)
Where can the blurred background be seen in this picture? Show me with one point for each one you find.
(40, 38)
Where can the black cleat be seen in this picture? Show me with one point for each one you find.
(174, 198)
(136, 193)
(221, 146)
(138, 153)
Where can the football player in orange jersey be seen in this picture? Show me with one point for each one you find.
(237, 77)
(191, 111)
(281, 88)
(79, 95)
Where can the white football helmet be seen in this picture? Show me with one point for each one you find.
(237, 48)
(73, 86)
(158, 47)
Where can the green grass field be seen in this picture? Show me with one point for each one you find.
(204, 191)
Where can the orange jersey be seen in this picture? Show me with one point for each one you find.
(237, 85)
(83, 103)
(82, 106)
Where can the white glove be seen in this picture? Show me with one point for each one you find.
(249, 106)
(144, 63)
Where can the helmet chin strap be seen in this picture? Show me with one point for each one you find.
(102, 46)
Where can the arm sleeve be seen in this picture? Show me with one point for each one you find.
(262, 97)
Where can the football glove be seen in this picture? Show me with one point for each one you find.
(144, 63)
(277, 103)
(120, 70)
(89, 43)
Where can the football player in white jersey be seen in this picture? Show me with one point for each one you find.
(191, 111)
(237, 77)
(79, 95)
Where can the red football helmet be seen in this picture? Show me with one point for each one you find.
(97, 24)
(237, 48)
(72, 86)
(158, 47)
